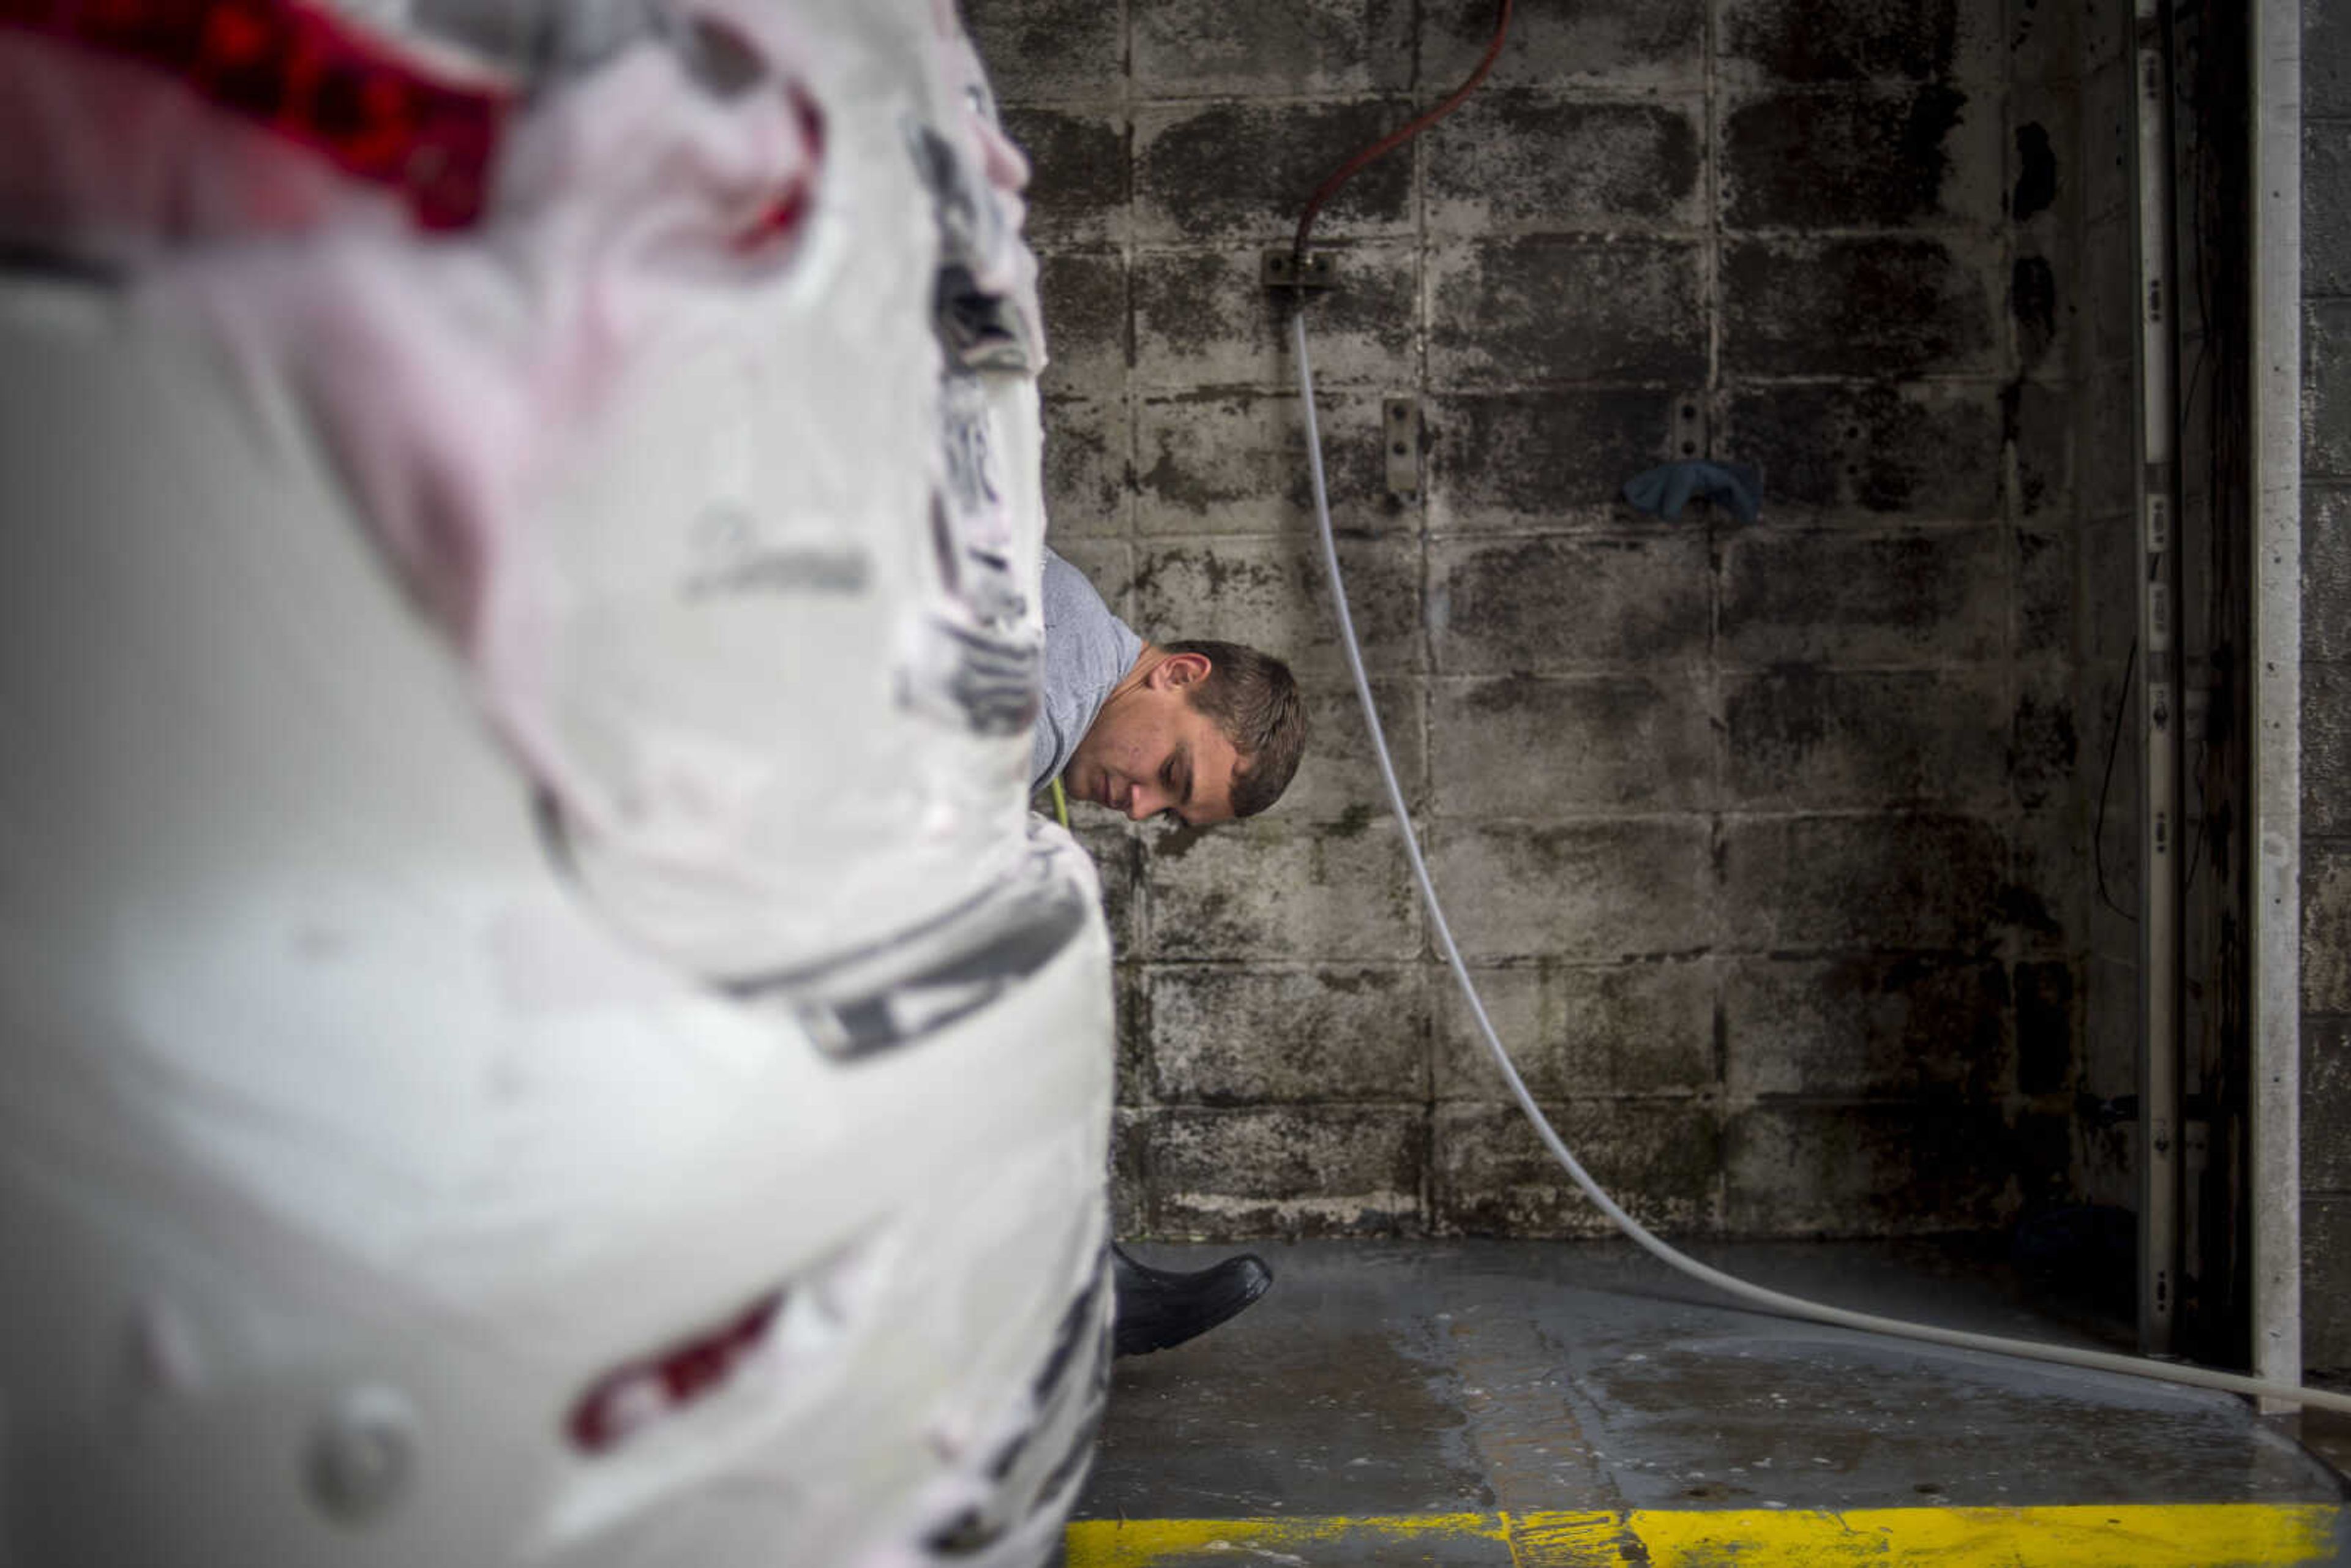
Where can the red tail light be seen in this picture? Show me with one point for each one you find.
(643, 1392)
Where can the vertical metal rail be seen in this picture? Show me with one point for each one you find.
(2160, 758)
(2275, 1004)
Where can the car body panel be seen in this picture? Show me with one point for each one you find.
(368, 1101)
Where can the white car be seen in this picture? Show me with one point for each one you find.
(539, 1027)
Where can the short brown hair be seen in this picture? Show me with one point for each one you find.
(1255, 701)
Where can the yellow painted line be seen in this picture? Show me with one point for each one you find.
(2190, 1535)
(2135, 1535)
(1145, 1543)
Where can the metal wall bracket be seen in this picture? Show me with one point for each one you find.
(1280, 269)
(1688, 418)
(1400, 434)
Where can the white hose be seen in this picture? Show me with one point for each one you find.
(1770, 1300)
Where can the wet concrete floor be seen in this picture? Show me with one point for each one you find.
(1398, 1379)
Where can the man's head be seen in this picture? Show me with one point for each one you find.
(1207, 730)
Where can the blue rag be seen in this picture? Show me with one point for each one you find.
(1665, 490)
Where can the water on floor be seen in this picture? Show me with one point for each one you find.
(1524, 1403)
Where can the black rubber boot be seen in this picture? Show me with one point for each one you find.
(1158, 1308)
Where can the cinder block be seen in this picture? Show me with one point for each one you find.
(2038, 307)
(2327, 1103)
(1659, 1159)
(1236, 463)
(1197, 48)
(2109, 462)
(1873, 307)
(2107, 32)
(1077, 179)
(1795, 1169)
(1577, 1031)
(2044, 41)
(1130, 1172)
(2326, 927)
(1085, 296)
(1820, 41)
(1876, 156)
(1923, 451)
(1794, 885)
(2326, 65)
(2109, 291)
(1579, 891)
(1530, 747)
(1132, 1035)
(1523, 161)
(2110, 1019)
(1819, 738)
(1118, 860)
(1271, 594)
(2326, 572)
(2043, 747)
(2109, 613)
(1049, 51)
(1203, 319)
(1544, 308)
(2044, 162)
(1109, 565)
(1547, 460)
(1338, 782)
(2326, 208)
(2045, 277)
(2326, 1284)
(2051, 887)
(1868, 1027)
(1267, 889)
(1935, 598)
(1242, 171)
(2048, 1025)
(2046, 572)
(2105, 1169)
(1546, 605)
(1296, 1171)
(1228, 1034)
(2326, 390)
(1646, 44)
(2042, 425)
(2326, 750)
(2109, 126)
(1088, 463)
(2040, 304)
(2040, 1148)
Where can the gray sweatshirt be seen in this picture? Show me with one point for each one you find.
(1087, 650)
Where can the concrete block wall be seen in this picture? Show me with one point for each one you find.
(2326, 689)
(1770, 844)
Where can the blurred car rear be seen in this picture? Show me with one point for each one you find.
(539, 1027)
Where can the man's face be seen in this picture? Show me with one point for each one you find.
(1149, 750)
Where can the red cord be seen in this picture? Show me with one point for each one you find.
(1395, 139)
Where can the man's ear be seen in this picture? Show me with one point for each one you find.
(1178, 671)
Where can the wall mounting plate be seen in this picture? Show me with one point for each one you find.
(1400, 432)
(1280, 269)
(1688, 420)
